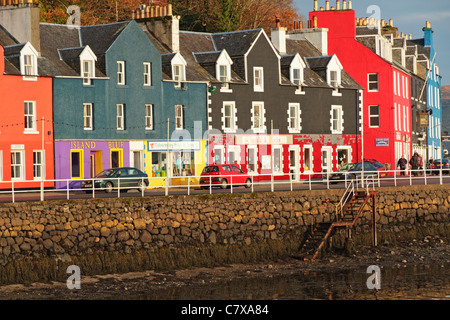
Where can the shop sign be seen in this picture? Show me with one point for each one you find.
(17, 147)
(263, 139)
(173, 145)
(423, 119)
(383, 142)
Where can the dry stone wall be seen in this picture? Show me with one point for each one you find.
(63, 230)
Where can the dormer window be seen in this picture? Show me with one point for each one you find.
(28, 62)
(334, 79)
(296, 72)
(223, 70)
(87, 63)
(334, 70)
(178, 69)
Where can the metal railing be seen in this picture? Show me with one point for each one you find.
(71, 188)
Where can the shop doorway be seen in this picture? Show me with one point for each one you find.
(294, 162)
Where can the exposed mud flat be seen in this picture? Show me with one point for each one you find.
(155, 285)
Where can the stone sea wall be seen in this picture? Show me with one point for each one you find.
(39, 240)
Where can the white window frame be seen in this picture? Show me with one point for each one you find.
(370, 82)
(149, 117)
(121, 73)
(222, 153)
(87, 71)
(258, 79)
(297, 118)
(280, 169)
(120, 116)
(147, 74)
(179, 117)
(88, 117)
(232, 116)
(29, 62)
(39, 165)
(30, 117)
(374, 116)
(311, 164)
(262, 117)
(337, 125)
(20, 165)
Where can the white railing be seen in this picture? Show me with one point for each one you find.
(71, 188)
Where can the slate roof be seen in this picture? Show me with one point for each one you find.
(62, 45)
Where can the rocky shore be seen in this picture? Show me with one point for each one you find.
(150, 284)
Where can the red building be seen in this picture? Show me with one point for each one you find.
(26, 126)
(367, 55)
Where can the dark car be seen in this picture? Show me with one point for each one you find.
(222, 175)
(378, 165)
(353, 170)
(107, 180)
(434, 168)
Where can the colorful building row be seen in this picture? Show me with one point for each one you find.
(145, 94)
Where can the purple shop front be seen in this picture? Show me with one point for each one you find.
(76, 160)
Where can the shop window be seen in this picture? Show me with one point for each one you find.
(183, 163)
(17, 165)
(218, 155)
(76, 164)
(252, 160)
(277, 160)
(159, 164)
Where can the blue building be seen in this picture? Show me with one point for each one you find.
(107, 96)
(427, 55)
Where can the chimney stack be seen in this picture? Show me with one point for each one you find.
(278, 36)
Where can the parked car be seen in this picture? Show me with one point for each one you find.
(378, 165)
(434, 168)
(222, 175)
(107, 180)
(353, 170)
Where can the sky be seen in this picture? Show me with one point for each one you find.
(409, 17)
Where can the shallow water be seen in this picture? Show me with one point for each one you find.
(423, 282)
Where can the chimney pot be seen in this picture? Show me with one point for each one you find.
(332, 8)
(338, 5)
(321, 8)
(316, 6)
(428, 25)
(350, 5)
(344, 5)
(327, 5)
(391, 22)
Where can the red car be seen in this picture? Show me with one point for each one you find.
(222, 175)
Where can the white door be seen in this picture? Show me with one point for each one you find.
(326, 160)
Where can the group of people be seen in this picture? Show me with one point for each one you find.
(415, 162)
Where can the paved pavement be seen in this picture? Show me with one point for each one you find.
(53, 194)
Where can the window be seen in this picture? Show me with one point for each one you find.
(183, 163)
(28, 65)
(88, 71)
(307, 158)
(229, 116)
(334, 82)
(223, 74)
(218, 155)
(258, 117)
(76, 164)
(294, 118)
(116, 158)
(374, 116)
(234, 154)
(17, 165)
(258, 79)
(120, 117)
(277, 160)
(121, 73)
(373, 82)
(147, 74)
(30, 115)
(88, 116)
(179, 117)
(178, 73)
(297, 76)
(336, 119)
(38, 164)
(148, 117)
(252, 160)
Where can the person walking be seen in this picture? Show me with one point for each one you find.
(402, 164)
(414, 162)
